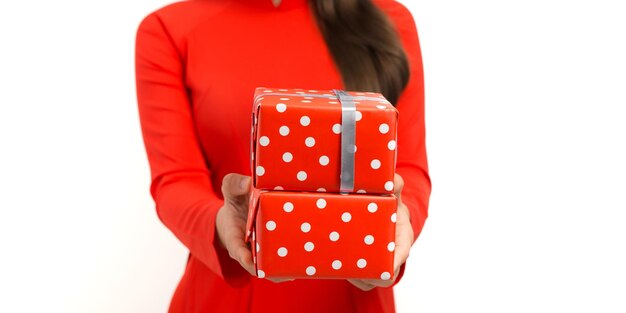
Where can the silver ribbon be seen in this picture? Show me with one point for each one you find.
(348, 129)
(348, 137)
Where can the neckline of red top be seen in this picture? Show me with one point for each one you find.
(284, 5)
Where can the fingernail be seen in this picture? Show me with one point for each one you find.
(244, 183)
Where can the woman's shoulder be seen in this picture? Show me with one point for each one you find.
(397, 11)
(405, 25)
(400, 16)
(181, 16)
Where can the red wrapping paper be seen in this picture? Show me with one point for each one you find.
(296, 141)
(322, 235)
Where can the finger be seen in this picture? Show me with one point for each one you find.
(359, 283)
(238, 249)
(402, 250)
(396, 272)
(234, 185)
(398, 184)
(242, 254)
(379, 282)
(401, 255)
(280, 280)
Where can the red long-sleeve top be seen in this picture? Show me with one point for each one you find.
(197, 65)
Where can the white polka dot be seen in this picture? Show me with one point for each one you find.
(278, 188)
(284, 130)
(385, 276)
(382, 107)
(305, 227)
(361, 191)
(333, 102)
(375, 164)
(281, 107)
(260, 274)
(361, 263)
(282, 251)
(346, 217)
(309, 246)
(267, 90)
(354, 148)
(310, 270)
(337, 128)
(270, 225)
(288, 207)
(391, 145)
(260, 170)
(321, 203)
(358, 115)
(305, 101)
(336, 264)
(287, 157)
(369, 239)
(324, 160)
(321, 189)
(305, 120)
(391, 246)
(284, 99)
(394, 217)
(309, 142)
(334, 236)
(383, 128)
(312, 90)
(264, 141)
(389, 186)
(301, 175)
(258, 247)
(372, 207)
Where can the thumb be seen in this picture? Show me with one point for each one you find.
(398, 184)
(234, 185)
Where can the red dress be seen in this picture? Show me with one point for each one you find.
(197, 65)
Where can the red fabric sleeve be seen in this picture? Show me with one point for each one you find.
(180, 180)
(412, 163)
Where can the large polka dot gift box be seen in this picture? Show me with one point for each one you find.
(323, 140)
(322, 235)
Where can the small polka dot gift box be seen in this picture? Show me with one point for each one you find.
(322, 235)
(323, 140)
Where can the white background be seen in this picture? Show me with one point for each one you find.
(526, 135)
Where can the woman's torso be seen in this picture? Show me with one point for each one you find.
(228, 48)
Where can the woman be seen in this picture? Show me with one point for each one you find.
(197, 65)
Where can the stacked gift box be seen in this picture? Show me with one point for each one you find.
(322, 202)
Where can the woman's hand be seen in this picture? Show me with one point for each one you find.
(404, 241)
(231, 221)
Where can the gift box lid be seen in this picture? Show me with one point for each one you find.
(323, 118)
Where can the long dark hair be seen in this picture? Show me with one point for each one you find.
(365, 46)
